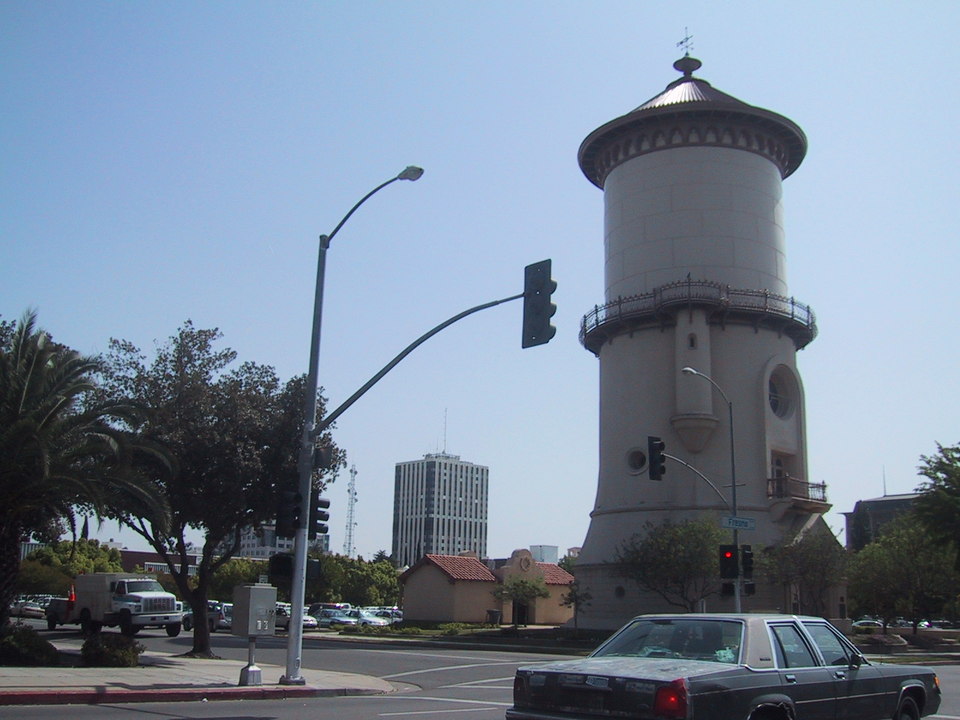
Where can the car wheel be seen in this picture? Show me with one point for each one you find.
(51, 623)
(187, 623)
(86, 624)
(908, 710)
(173, 630)
(126, 623)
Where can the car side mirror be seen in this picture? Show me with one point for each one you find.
(856, 660)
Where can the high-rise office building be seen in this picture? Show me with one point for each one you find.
(439, 507)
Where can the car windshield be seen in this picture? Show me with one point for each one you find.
(134, 586)
(689, 639)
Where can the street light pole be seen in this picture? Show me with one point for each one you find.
(305, 463)
(733, 480)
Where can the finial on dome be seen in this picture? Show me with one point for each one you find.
(687, 65)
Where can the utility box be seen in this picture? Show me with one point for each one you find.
(254, 610)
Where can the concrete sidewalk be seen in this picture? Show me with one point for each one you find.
(168, 678)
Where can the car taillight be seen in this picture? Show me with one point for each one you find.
(671, 700)
(519, 689)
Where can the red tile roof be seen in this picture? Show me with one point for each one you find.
(462, 568)
(554, 574)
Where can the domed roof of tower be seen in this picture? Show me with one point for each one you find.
(691, 112)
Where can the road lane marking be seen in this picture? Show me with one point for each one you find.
(446, 668)
(435, 712)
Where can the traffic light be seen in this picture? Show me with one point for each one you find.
(728, 562)
(288, 513)
(656, 466)
(538, 286)
(322, 457)
(318, 515)
(746, 561)
(280, 569)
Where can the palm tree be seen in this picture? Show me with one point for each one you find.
(59, 446)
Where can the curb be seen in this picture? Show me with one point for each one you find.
(94, 697)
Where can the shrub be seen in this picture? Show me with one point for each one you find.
(22, 645)
(111, 650)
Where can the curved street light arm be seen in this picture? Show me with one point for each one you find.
(332, 417)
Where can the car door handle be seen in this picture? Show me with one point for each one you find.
(790, 678)
(840, 675)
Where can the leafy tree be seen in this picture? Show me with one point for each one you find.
(356, 581)
(80, 556)
(522, 591)
(236, 571)
(234, 432)
(568, 563)
(382, 555)
(938, 506)
(906, 572)
(811, 565)
(60, 447)
(677, 561)
(577, 599)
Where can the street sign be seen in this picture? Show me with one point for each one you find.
(738, 523)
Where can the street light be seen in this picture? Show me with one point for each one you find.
(733, 479)
(305, 463)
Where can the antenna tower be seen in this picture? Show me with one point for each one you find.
(351, 522)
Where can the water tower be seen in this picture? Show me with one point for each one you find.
(695, 277)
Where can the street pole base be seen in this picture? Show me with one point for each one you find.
(251, 675)
(286, 680)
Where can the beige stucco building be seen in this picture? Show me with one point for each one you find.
(459, 588)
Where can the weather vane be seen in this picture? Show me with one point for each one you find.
(686, 43)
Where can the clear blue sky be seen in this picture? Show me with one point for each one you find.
(175, 160)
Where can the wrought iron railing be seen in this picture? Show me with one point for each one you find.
(784, 488)
(722, 297)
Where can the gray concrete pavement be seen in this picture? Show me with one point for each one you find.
(164, 678)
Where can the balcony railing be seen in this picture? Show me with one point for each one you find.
(758, 307)
(788, 488)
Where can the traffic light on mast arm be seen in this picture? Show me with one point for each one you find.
(538, 286)
(656, 466)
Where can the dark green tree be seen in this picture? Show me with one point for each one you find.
(677, 561)
(521, 590)
(236, 571)
(907, 572)
(234, 433)
(938, 505)
(578, 599)
(810, 566)
(60, 447)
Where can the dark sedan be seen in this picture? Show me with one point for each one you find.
(724, 667)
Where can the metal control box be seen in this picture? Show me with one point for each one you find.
(254, 610)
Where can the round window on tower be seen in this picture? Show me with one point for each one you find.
(636, 461)
(782, 392)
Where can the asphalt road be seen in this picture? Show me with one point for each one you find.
(436, 684)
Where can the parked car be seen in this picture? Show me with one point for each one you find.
(364, 618)
(214, 616)
(868, 623)
(329, 618)
(717, 667)
(226, 616)
(26, 608)
(284, 610)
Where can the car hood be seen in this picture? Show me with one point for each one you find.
(657, 669)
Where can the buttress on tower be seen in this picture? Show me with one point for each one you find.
(695, 276)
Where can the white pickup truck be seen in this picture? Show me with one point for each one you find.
(126, 600)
